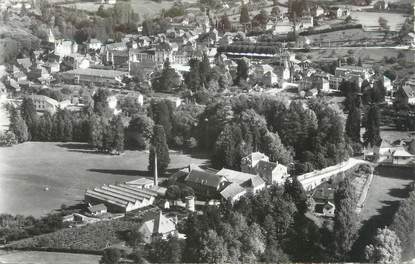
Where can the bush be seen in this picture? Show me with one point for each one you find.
(7, 139)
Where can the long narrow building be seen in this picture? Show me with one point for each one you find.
(124, 197)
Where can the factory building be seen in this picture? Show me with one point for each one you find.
(125, 197)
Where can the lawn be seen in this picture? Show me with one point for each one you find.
(36, 257)
(67, 170)
(388, 188)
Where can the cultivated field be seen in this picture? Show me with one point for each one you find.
(66, 169)
(368, 55)
(145, 8)
(35, 257)
(93, 237)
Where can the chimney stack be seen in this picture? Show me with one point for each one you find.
(156, 182)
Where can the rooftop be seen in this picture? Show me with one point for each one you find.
(204, 178)
(232, 190)
(96, 72)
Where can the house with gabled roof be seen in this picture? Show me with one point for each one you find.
(205, 183)
(97, 209)
(160, 226)
(259, 164)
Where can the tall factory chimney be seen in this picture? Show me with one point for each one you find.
(156, 181)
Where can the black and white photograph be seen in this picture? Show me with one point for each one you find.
(207, 131)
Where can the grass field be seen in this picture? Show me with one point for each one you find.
(388, 188)
(67, 169)
(370, 19)
(36, 257)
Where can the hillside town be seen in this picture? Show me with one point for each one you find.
(207, 131)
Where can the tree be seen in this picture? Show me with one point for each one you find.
(28, 113)
(100, 102)
(162, 113)
(383, 24)
(261, 19)
(159, 146)
(275, 11)
(241, 71)
(353, 124)
(96, 131)
(117, 129)
(385, 247)
(134, 238)
(372, 133)
(18, 126)
(168, 79)
(275, 150)
(403, 225)
(139, 132)
(7, 139)
(224, 24)
(345, 220)
(173, 193)
(110, 256)
(45, 127)
(227, 152)
(193, 79)
(213, 248)
(244, 17)
(204, 69)
(137, 257)
(148, 27)
(294, 189)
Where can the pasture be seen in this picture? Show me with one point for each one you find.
(66, 170)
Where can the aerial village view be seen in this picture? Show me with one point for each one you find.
(207, 131)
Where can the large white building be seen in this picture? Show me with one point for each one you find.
(271, 172)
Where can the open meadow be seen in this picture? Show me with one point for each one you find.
(67, 170)
(38, 257)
